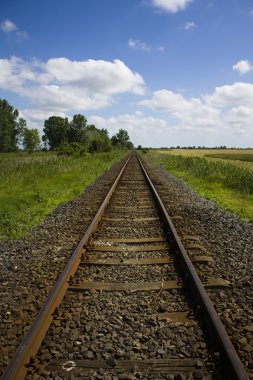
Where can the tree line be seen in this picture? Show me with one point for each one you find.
(61, 135)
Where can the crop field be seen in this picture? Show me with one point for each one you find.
(239, 157)
(224, 177)
(31, 186)
(245, 157)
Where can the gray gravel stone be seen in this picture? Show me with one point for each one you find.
(26, 281)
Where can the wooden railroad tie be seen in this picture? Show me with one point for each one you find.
(142, 366)
(141, 286)
(95, 260)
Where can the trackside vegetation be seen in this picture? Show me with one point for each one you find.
(31, 186)
(38, 174)
(228, 185)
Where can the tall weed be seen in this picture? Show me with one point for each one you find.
(228, 174)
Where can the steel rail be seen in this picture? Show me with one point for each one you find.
(17, 368)
(234, 366)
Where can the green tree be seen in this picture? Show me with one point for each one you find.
(31, 140)
(130, 145)
(77, 129)
(55, 131)
(97, 139)
(114, 141)
(123, 138)
(21, 127)
(10, 127)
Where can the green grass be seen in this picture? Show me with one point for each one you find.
(236, 157)
(228, 185)
(31, 186)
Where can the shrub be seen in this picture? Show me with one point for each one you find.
(72, 149)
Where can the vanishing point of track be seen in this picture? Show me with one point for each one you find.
(129, 304)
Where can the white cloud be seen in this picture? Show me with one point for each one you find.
(97, 76)
(36, 118)
(8, 26)
(138, 44)
(223, 117)
(22, 35)
(171, 6)
(143, 130)
(190, 25)
(17, 74)
(235, 95)
(229, 109)
(243, 67)
(192, 111)
(64, 85)
(152, 131)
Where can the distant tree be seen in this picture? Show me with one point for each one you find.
(98, 139)
(31, 140)
(21, 127)
(10, 127)
(55, 131)
(77, 129)
(130, 145)
(121, 140)
(114, 140)
(76, 137)
(139, 147)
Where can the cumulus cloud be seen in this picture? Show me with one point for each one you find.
(191, 111)
(228, 108)
(63, 85)
(139, 126)
(243, 67)
(35, 118)
(234, 95)
(190, 25)
(171, 6)
(8, 26)
(153, 131)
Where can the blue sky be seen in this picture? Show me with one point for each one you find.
(170, 72)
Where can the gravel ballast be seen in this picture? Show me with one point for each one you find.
(30, 267)
(223, 236)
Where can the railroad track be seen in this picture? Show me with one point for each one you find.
(129, 304)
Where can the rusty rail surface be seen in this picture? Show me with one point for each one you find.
(32, 341)
(234, 366)
(28, 348)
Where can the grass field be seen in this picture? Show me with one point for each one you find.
(31, 186)
(226, 178)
